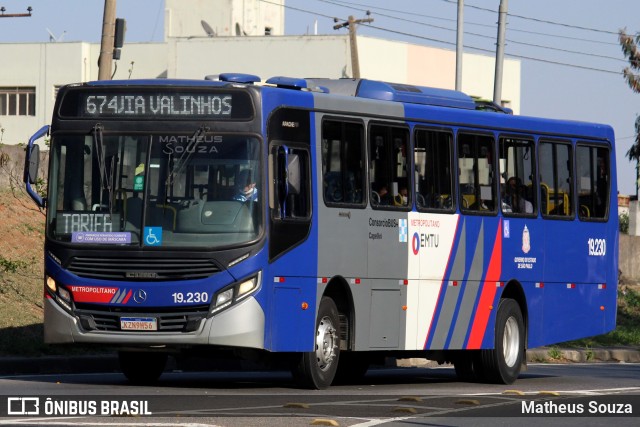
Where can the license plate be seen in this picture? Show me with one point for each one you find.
(138, 324)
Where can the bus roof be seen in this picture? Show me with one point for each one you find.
(410, 95)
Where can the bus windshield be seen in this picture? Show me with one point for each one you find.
(155, 189)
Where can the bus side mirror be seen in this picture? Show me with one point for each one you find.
(33, 159)
(31, 165)
(293, 174)
(288, 179)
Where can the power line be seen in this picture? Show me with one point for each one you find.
(435, 40)
(544, 21)
(481, 35)
(439, 18)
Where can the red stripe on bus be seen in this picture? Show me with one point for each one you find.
(488, 294)
(127, 297)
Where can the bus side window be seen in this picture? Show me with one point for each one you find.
(556, 178)
(342, 162)
(388, 165)
(592, 164)
(433, 158)
(291, 199)
(517, 165)
(476, 173)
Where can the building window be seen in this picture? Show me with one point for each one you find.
(17, 101)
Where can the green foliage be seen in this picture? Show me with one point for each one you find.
(623, 221)
(589, 354)
(632, 299)
(554, 353)
(9, 266)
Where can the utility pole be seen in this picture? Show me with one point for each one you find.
(502, 23)
(351, 23)
(15, 15)
(459, 45)
(106, 46)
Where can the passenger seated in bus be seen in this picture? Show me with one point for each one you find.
(401, 199)
(381, 196)
(514, 198)
(246, 190)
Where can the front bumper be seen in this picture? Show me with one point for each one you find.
(242, 325)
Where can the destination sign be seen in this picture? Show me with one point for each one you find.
(175, 104)
(163, 103)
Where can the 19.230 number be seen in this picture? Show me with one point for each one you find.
(190, 297)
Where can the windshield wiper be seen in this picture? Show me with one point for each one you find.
(105, 182)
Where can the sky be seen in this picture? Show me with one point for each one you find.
(571, 61)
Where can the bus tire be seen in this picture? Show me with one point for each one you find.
(466, 364)
(352, 367)
(142, 368)
(502, 364)
(317, 369)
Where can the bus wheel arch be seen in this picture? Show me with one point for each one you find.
(353, 365)
(513, 290)
(503, 363)
(338, 290)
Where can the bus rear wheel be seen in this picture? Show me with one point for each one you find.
(142, 367)
(503, 363)
(317, 369)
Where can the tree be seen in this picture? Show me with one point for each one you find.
(631, 52)
(629, 46)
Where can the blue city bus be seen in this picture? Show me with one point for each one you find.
(323, 223)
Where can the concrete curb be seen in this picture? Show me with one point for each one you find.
(552, 354)
(556, 355)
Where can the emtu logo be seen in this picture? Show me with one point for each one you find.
(423, 241)
(415, 243)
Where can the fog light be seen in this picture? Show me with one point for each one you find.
(64, 294)
(224, 297)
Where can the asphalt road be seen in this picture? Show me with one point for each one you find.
(390, 397)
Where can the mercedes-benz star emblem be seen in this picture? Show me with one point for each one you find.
(140, 296)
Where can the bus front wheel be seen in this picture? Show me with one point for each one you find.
(503, 363)
(316, 369)
(142, 367)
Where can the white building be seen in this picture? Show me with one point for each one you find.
(29, 82)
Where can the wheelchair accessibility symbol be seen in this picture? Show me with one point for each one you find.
(153, 236)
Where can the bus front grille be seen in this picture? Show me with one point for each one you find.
(97, 318)
(142, 269)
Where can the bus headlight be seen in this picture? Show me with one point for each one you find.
(236, 292)
(59, 293)
(247, 287)
(51, 284)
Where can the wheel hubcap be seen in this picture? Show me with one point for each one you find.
(326, 343)
(511, 342)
